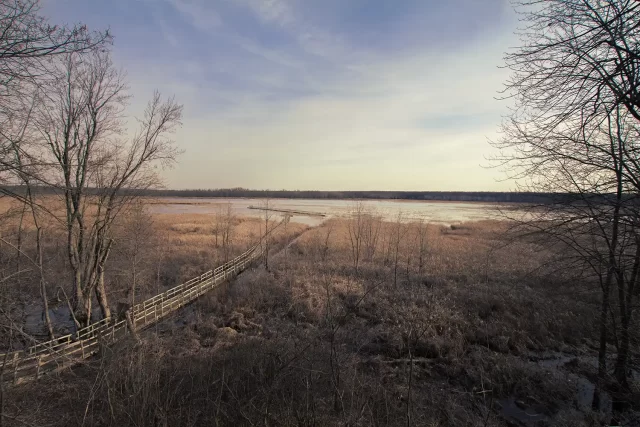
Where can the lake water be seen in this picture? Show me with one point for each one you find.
(435, 212)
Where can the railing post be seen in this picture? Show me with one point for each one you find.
(181, 295)
(15, 367)
(38, 367)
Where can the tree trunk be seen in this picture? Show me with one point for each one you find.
(286, 246)
(626, 295)
(81, 304)
(45, 308)
(266, 236)
(134, 280)
(19, 245)
(395, 259)
(266, 254)
(101, 295)
(129, 316)
(602, 351)
(409, 342)
(43, 285)
(86, 315)
(623, 354)
(612, 271)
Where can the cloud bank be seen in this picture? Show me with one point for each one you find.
(333, 95)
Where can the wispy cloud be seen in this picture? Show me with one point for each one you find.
(198, 12)
(279, 12)
(272, 55)
(332, 94)
(167, 32)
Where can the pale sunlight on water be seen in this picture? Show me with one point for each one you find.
(431, 211)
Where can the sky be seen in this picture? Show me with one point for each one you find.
(318, 94)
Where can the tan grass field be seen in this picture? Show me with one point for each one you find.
(310, 341)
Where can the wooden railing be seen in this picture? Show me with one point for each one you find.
(31, 363)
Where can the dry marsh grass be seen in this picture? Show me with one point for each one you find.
(189, 241)
(310, 342)
(153, 251)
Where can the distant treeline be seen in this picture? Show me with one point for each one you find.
(453, 196)
(450, 196)
(457, 196)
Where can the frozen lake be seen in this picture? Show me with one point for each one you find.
(431, 211)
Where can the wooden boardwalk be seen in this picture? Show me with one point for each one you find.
(50, 356)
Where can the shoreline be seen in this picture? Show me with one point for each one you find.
(211, 200)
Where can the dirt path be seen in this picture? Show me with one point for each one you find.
(280, 253)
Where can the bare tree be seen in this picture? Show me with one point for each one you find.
(227, 219)
(217, 223)
(39, 257)
(573, 131)
(325, 245)
(386, 243)
(134, 244)
(83, 152)
(371, 231)
(356, 230)
(285, 221)
(30, 206)
(411, 241)
(422, 244)
(398, 233)
(27, 35)
(319, 244)
(27, 44)
(265, 241)
(592, 228)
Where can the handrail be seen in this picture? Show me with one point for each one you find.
(41, 358)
